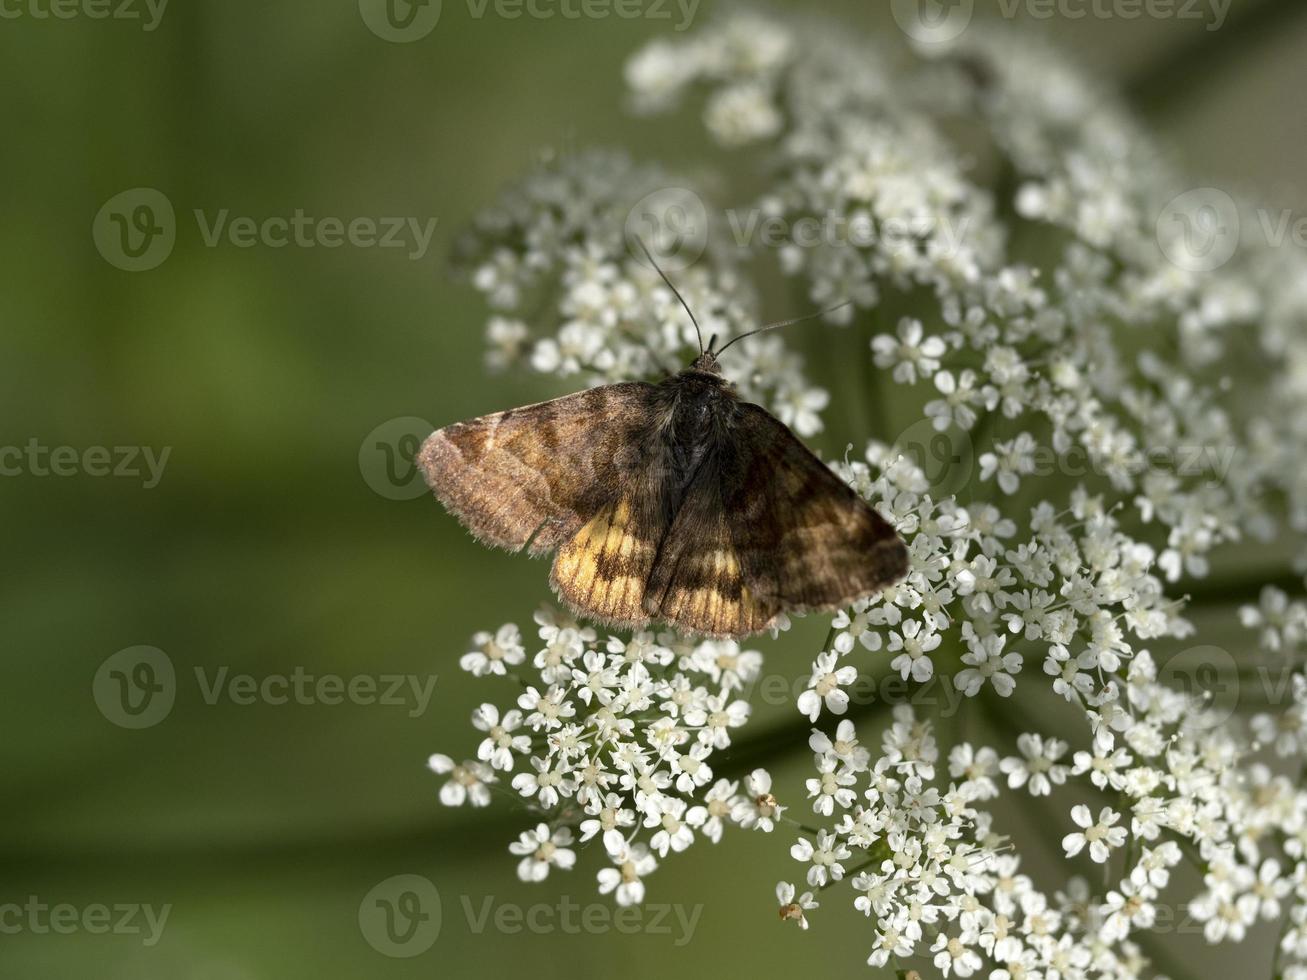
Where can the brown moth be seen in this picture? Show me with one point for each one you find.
(674, 502)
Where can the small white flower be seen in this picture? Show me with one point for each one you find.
(844, 746)
(953, 955)
(1039, 767)
(742, 114)
(831, 787)
(793, 909)
(1102, 837)
(825, 687)
(507, 340)
(825, 857)
(801, 408)
(468, 782)
(675, 826)
(757, 807)
(855, 624)
(988, 662)
(495, 652)
(1010, 461)
(1105, 764)
(540, 849)
(500, 743)
(976, 768)
(631, 864)
(548, 784)
(910, 354)
(916, 643)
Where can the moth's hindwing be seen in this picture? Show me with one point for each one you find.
(603, 569)
(698, 582)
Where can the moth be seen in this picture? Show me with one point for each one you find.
(676, 502)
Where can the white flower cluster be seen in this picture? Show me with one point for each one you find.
(616, 739)
(1065, 583)
(925, 864)
(1172, 780)
(1025, 282)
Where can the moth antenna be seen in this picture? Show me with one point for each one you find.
(697, 332)
(785, 323)
(711, 340)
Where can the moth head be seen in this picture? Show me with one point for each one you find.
(706, 362)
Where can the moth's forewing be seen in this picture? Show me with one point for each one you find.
(537, 474)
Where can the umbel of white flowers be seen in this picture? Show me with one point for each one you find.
(1107, 347)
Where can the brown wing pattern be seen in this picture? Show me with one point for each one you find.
(697, 583)
(541, 473)
(804, 539)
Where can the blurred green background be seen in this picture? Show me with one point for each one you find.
(264, 548)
